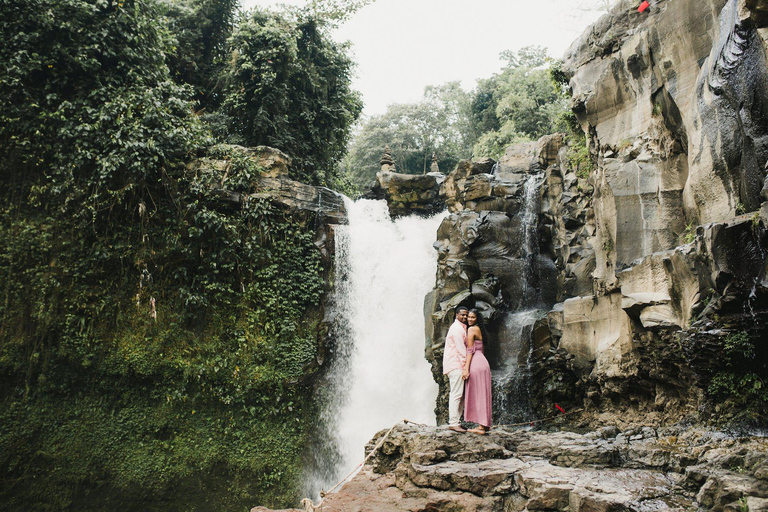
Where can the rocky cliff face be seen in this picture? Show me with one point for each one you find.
(674, 104)
(621, 292)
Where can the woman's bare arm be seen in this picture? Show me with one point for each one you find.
(471, 335)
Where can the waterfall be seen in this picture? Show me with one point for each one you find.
(511, 380)
(379, 376)
(529, 226)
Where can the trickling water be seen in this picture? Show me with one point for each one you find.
(511, 389)
(529, 225)
(749, 303)
(511, 380)
(380, 375)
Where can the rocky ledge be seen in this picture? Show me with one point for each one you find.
(422, 468)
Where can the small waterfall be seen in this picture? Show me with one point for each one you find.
(511, 380)
(529, 226)
(379, 375)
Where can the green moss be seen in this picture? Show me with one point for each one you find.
(740, 385)
(690, 233)
(580, 158)
(206, 406)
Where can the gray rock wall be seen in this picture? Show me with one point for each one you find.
(674, 104)
(643, 269)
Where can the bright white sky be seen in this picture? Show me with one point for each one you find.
(401, 46)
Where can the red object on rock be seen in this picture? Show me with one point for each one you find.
(643, 6)
(560, 409)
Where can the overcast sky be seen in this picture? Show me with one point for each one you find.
(401, 46)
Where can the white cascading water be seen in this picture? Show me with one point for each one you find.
(380, 375)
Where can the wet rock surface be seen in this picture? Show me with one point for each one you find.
(635, 469)
(408, 194)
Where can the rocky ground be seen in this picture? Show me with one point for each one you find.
(421, 468)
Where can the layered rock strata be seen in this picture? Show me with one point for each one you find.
(674, 106)
(648, 263)
(634, 469)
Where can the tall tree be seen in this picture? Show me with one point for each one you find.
(519, 103)
(288, 86)
(198, 33)
(439, 124)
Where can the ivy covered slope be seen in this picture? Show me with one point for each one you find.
(157, 345)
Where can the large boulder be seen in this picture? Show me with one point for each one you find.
(408, 193)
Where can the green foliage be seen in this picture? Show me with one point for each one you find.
(213, 385)
(690, 233)
(608, 246)
(559, 78)
(516, 105)
(288, 86)
(87, 101)
(495, 142)
(579, 157)
(740, 209)
(336, 10)
(741, 382)
(438, 124)
(743, 505)
(519, 103)
(155, 342)
(197, 32)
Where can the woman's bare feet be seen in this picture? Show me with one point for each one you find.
(481, 430)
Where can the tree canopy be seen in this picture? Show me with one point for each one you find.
(155, 345)
(288, 86)
(439, 124)
(519, 103)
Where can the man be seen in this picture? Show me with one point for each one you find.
(454, 358)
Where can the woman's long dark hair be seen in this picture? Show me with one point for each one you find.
(481, 324)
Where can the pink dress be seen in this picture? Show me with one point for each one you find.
(477, 390)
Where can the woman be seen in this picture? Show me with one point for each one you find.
(477, 375)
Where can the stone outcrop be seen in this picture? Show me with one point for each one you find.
(319, 207)
(407, 193)
(487, 251)
(610, 469)
(272, 183)
(638, 270)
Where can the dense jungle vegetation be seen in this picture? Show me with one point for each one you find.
(155, 347)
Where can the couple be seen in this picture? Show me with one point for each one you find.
(468, 372)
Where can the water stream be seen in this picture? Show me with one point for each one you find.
(384, 269)
(511, 378)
